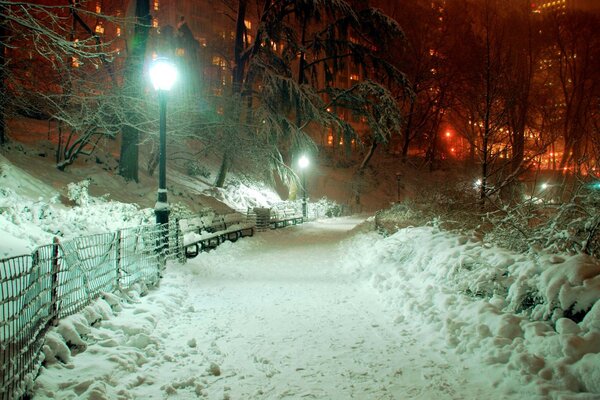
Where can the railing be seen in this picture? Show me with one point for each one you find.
(60, 279)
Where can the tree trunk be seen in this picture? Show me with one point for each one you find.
(367, 158)
(130, 138)
(3, 94)
(240, 62)
(129, 159)
(225, 163)
(407, 132)
(237, 84)
(487, 122)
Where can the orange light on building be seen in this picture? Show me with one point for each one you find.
(448, 134)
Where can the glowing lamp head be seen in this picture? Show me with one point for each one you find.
(303, 162)
(545, 186)
(163, 74)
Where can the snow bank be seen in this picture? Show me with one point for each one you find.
(241, 195)
(26, 223)
(537, 314)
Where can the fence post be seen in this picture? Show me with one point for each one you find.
(54, 286)
(178, 242)
(118, 240)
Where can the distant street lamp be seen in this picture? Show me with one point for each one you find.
(398, 182)
(303, 164)
(163, 75)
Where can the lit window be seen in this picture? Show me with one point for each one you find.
(75, 62)
(118, 31)
(249, 38)
(99, 29)
(98, 8)
(155, 5)
(219, 61)
(180, 52)
(353, 77)
(330, 139)
(247, 24)
(202, 41)
(155, 22)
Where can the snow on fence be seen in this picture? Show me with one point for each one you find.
(62, 278)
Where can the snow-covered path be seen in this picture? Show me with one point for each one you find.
(269, 317)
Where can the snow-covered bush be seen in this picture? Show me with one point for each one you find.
(194, 168)
(78, 192)
(448, 206)
(400, 215)
(326, 208)
(572, 227)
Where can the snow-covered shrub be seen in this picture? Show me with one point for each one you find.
(78, 192)
(194, 168)
(326, 208)
(448, 206)
(400, 215)
(572, 227)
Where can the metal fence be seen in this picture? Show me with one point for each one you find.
(60, 279)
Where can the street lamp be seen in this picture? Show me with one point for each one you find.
(163, 75)
(303, 164)
(398, 182)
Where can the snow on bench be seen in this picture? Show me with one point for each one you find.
(205, 233)
(284, 216)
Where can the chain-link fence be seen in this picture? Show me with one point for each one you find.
(62, 278)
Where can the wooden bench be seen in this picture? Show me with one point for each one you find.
(206, 233)
(284, 216)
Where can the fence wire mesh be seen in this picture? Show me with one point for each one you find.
(60, 279)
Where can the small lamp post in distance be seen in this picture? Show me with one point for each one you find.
(398, 185)
(303, 163)
(163, 75)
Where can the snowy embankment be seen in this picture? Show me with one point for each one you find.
(31, 212)
(508, 309)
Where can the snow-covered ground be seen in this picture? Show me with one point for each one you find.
(319, 310)
(324, 311)
(275, 316)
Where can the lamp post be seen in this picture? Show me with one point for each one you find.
(163, 75)
(303, 164)
(398, 184)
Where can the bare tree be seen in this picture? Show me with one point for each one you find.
(575, 59)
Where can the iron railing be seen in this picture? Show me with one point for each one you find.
(60, 279)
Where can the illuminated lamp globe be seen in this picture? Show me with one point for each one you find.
(163, 74)
(303, 162)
